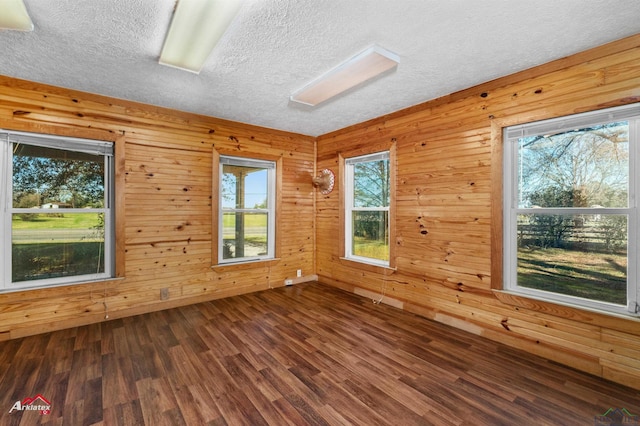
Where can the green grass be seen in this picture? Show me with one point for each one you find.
(255, 228)
(372, 249)
(250, 221)
(51, 221)
(590, 275)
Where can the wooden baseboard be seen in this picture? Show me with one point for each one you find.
(298, 280)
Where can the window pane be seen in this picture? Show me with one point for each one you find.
(371, 184)
(56, 178)
(576, 255)
(50, 245)
(244, 235)
(371, 234)
(244, 187)
(580, 168)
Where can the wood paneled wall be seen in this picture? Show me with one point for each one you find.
(164, 206)
(448, 210)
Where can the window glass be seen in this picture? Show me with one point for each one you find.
(577, 255)
(49, 245)
(371, 234)
(368, 194)
(371, 184)
(59, 226)
(244, 187)
(587, 167)
(570, 217)
(247, 204)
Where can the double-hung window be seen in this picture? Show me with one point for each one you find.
(570, 209)
(367, 200)
(247, 219)
(56, 219)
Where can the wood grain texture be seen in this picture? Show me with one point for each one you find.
(448, 241)
(164, 204)
(302, 355)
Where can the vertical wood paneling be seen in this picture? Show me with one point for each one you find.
(449, 205)
(164, 202)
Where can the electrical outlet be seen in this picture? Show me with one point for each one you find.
(288, 282)
(164, 293)
(299, 273)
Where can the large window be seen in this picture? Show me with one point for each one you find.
(56, 216)
(367, 201)
(246, 226)
(571, 221)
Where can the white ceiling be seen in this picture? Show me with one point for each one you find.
(111, 47)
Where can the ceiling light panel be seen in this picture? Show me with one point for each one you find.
(364, 66)
(196, 28)
(14, 16)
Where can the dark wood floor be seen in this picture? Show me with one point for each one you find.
(306, 354)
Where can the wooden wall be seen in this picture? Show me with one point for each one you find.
(164, 206)
(448, 211)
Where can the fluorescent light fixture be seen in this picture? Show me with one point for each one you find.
(14, 16)
(362, 67)
(196, 28)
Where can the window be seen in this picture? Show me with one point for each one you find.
(571, 221)
(246, 225)
(367, 201)
(57, 220)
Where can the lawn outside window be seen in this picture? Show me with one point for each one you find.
(570, 209)
(57, 217)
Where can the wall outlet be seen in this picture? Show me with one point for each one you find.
(299, 273)
(164, 293)
(288, 282)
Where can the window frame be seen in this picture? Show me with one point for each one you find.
(112, 257)
(511, 210)
(273, 166)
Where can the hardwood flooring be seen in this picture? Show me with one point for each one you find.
(306, 354)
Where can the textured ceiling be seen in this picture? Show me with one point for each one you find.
(111, 47)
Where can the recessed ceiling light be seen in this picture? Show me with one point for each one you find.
(196, 28)
(362, 67)
(14, 16)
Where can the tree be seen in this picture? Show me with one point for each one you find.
(581, 168)
(591, 165)
(57, 176)
(371, 189)
(551, 230)
(28, 200)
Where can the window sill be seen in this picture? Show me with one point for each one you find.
(627, 323)
(370, 267)
(230, 267)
